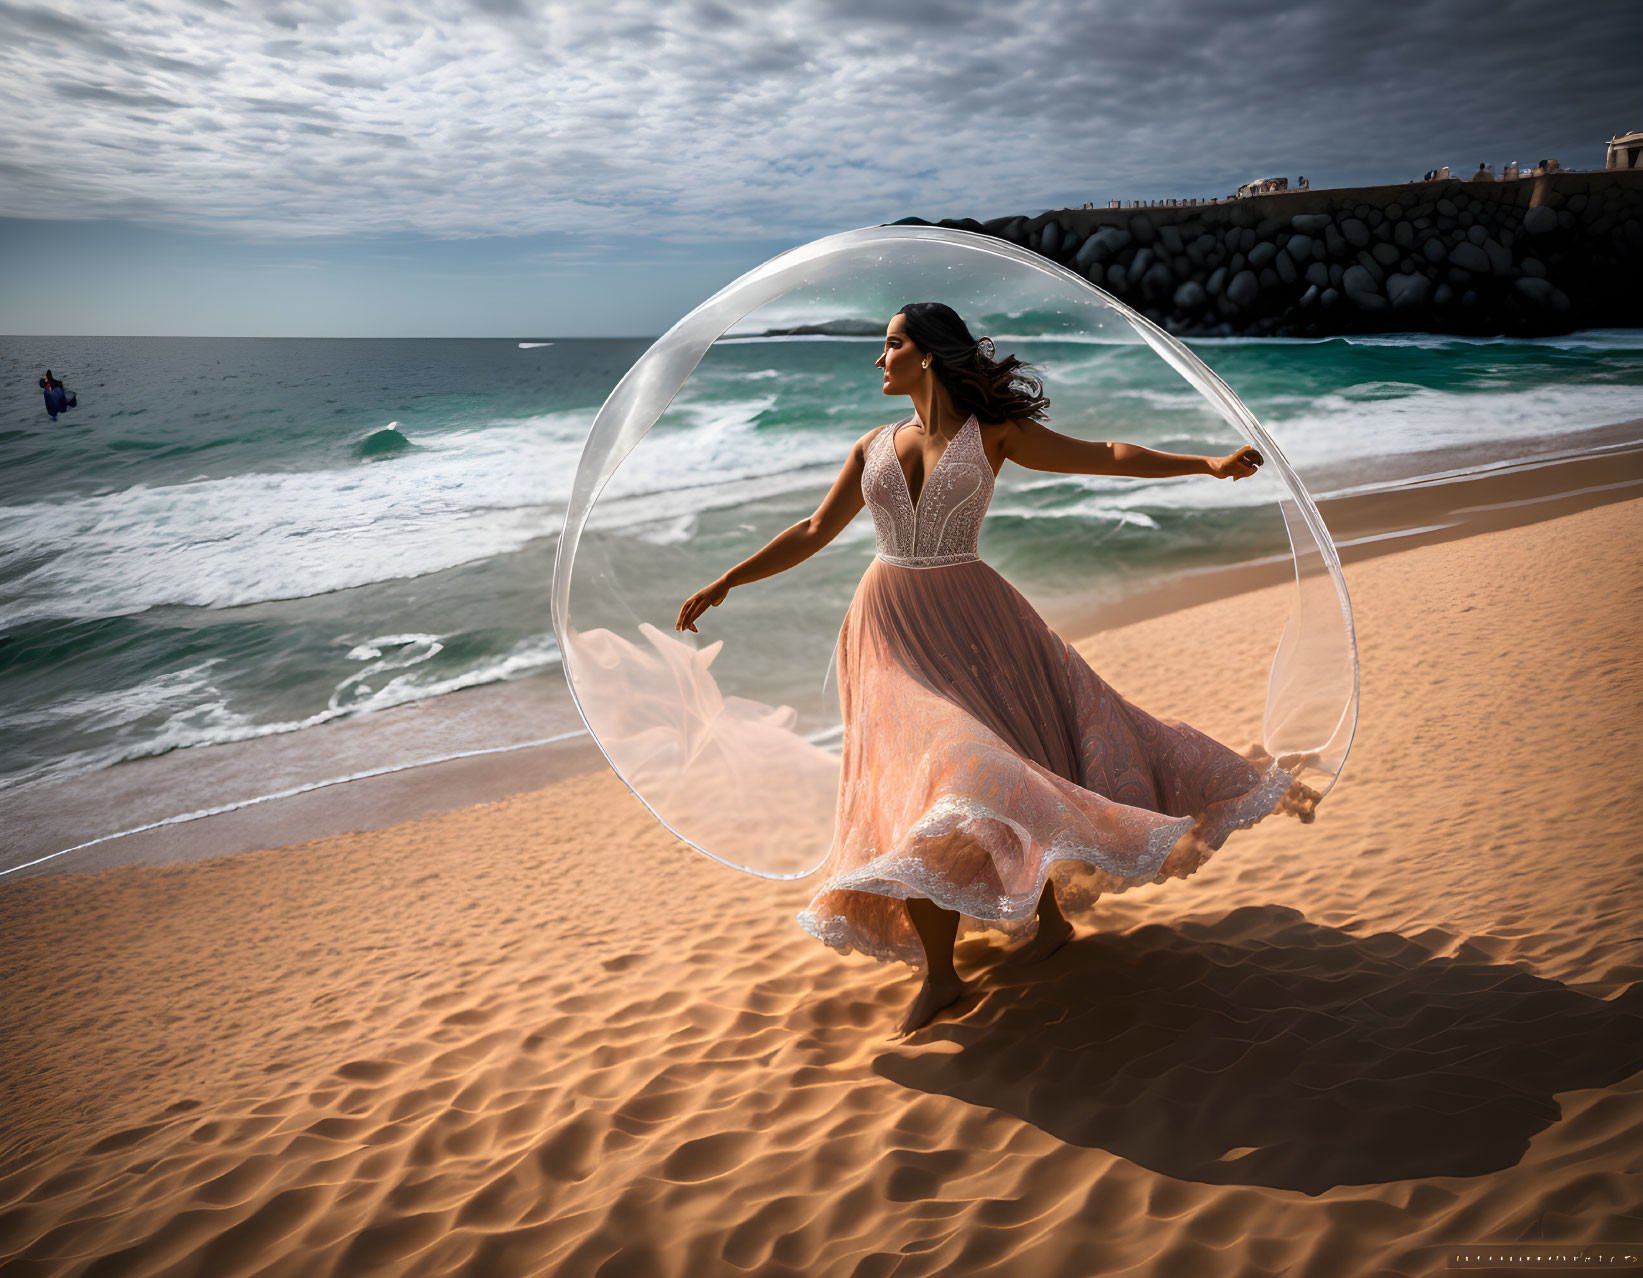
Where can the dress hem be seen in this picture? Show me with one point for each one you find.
(902, 877)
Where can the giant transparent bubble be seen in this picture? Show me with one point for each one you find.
(722, 435)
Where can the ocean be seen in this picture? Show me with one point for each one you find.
(258, 540)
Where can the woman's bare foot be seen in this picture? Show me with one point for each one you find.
(932, 996)
(1052, 934)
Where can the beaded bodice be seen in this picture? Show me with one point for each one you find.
(945, 524)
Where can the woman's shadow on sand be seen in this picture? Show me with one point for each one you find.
(1262, 1049)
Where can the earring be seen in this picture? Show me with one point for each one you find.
(926, 364)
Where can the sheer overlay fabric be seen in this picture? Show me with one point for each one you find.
(982, 755)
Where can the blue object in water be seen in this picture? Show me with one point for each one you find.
(58, 400)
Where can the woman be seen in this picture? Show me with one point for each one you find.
(980, 751)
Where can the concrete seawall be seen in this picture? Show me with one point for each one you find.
(1536, 256)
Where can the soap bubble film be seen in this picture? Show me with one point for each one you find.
(705, 450)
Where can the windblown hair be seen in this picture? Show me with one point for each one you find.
(993, 389)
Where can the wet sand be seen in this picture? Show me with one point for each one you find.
(538, 1035)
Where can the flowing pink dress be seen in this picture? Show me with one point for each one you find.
(981, 753)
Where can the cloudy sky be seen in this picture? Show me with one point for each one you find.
(508, 167)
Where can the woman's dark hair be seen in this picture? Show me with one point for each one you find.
(993, 389)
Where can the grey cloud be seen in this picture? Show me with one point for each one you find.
(294, 15)
(277, 106)
(637, 30)
(177, 66)
(381, 139)
(76, 92)
(912, 16)
(348, 80)
(63, 35)
(45, 23)
(786, 118)
(774, 58)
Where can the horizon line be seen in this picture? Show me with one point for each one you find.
(327, 337)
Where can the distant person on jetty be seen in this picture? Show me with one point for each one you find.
(58, 400)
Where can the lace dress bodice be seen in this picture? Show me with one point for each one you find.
(945, 524)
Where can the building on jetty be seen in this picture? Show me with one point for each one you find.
(1625, 152)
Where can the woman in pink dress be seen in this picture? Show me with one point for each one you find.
(983, 760)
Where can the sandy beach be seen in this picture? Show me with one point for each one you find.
(538, 1035)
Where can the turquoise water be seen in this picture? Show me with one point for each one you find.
(231, 539)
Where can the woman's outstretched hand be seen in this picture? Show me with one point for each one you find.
(705, 598)
(1238, 465)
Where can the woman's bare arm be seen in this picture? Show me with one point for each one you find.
(1033, 445)
(796, 544)
(793, 545)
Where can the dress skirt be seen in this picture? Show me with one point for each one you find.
(982, 756)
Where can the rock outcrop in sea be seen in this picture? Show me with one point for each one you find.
(1536, 256)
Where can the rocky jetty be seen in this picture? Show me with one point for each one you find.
(1536, 256)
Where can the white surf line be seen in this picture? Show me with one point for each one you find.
(293, 791)
(531, 346)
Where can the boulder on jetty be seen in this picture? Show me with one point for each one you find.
(1534, 256)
